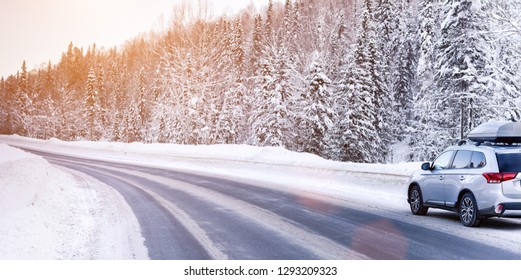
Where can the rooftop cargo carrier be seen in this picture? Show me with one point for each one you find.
(497, 132)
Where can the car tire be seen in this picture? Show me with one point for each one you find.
(468, 211)
(416, 201)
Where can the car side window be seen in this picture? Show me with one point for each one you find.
(462, 159)
(478, 160)
(443, 161)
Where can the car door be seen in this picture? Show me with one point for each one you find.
(455, 177)
(432, 188)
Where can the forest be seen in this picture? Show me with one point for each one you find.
(342, 79)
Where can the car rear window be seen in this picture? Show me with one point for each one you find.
(478, 160)
(509, 162)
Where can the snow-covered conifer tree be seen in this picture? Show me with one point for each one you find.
(463, 76)
(425, 140)
(92, 105)
(269, 117)
(362, 89)
(23, 102)
(317, 116)
(403, 77)
(268, 24)
(505, 28)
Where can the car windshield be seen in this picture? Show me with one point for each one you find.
(509, 162)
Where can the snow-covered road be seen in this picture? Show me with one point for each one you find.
(191, 206)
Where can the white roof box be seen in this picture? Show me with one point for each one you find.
(497, 132)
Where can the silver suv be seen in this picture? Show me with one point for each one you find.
(479, 178)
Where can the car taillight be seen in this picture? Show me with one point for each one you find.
(494, 178)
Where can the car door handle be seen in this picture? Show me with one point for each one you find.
(462, 178)
(441, 178)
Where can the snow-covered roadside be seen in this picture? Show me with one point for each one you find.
(46, 213)
(267, 166)
(230, 153)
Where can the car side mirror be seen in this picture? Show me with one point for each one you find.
(426, 166)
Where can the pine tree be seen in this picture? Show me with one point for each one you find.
(463, 73)
(92, 104)
(427, 140)
(317, 116)
(23, 103)
(132, 124)
(142, 88)
(256, 45)
(49, 83)
(288, 21)
(117, 134)
(231, 121)
(268, 117)
(162, 135)
(506, 35)
(7, 106)
(237, 48)
(388, 16)
(362, 89)
(403, 78)
(268, 24)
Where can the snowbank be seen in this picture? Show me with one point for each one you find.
(46, 213)
(235, 153)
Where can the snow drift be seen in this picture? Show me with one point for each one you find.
(46, 213)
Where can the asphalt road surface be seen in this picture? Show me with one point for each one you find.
(189, 216)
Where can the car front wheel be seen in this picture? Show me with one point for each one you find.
(468, 211)
(416, 201)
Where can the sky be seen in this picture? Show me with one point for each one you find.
(38, 31)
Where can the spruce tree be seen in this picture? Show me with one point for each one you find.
(142, 88)
(427, 140)
(262, 103)
(23, 102)
(403, 77)
(317, 115)
(269, 24)
(256, 45)
(91, 103)
(362, 89)
(463, 69)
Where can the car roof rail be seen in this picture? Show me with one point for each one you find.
(496, 143)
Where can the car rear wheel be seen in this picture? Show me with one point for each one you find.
(468, 211)
(416, 201)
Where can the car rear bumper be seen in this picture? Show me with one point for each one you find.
(507, 209)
